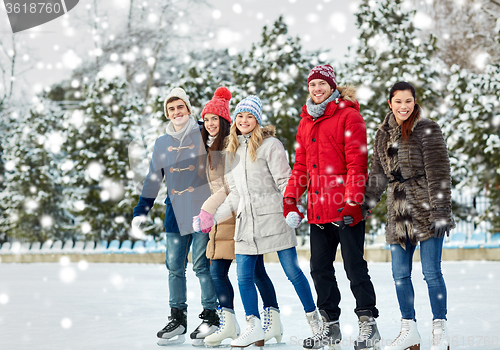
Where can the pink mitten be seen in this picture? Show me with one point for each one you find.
(206, 221)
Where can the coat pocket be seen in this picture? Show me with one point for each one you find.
(269, 221)
(340, 152)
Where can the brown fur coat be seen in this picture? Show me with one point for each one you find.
(423, 193)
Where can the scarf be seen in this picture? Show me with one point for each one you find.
(317, 111)
(181, 134)
(211, 140)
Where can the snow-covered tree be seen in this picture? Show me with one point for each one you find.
(389, 51)
(97, 176)
(31, 198)
(276, 70)
(144, 46)
(473, 129)
(202, 75)
(465, 31)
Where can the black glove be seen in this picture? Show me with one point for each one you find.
(367, 213)
(440, 230)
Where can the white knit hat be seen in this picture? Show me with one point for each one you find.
(180, 93)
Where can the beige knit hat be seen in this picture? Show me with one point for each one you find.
(180, 93)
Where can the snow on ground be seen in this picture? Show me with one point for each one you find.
(121, 306)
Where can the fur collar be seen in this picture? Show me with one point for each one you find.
(268, 131)
(347, 93)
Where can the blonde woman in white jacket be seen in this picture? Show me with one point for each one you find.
(257, 171)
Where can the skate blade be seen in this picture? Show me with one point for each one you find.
(179, 339)
(272, 345)
(375, 347)
(334, 347)
(218, 346)
(198, 342)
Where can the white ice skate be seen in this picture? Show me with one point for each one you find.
(440, 336)
(253, 334)
(407, 339)
(228, 328)
(273, 328)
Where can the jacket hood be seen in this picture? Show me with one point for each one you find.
(268, 131)
(347, 93)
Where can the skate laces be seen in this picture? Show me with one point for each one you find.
(405, 328)
(247, 331)
(365, 329)
(315, 323)
(437, 331)
(266, 318)
(322, 331)
(221, 320)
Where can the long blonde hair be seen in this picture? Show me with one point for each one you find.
(255, 141)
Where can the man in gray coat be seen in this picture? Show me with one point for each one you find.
(179, 156)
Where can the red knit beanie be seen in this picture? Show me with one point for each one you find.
(324, 72)
(219, 104)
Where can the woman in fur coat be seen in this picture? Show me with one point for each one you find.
(257, 172)
(410, 159)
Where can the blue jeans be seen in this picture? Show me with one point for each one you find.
(176, 261)
(290, 265)
(219, 270)
(248, 267)
(430, 257)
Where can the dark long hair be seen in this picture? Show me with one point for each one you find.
(215, 157)
(407, 126)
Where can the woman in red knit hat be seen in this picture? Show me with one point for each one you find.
(220, 247)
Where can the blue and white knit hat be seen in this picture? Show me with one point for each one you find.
(251, 104)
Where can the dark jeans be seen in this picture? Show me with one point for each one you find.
(219, 270)
(324, 244)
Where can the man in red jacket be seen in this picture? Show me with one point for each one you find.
(331, 162)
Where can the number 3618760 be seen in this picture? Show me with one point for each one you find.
(39, 7)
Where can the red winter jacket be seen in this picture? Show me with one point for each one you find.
(331, 159)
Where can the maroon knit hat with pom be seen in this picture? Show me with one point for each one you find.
(219, 104)
(324, 72)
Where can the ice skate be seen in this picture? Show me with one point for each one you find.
(408, 338)
(173, 332)
(314, 320)
(329, 335)
(369, 337)
(253, 334)
(209, 324)
(440, 337)
(273, 328)
(228, 328)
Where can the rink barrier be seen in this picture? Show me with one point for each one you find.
(154, 253)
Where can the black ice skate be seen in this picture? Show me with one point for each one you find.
(173, 332)
(209, 325)
(328, 336)
(369, 337)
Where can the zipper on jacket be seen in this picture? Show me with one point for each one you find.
(246, 181)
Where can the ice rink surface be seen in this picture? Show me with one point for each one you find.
(73, 306)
